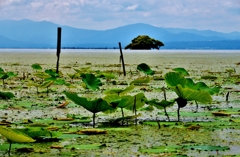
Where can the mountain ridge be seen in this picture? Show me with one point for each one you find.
(43, 34)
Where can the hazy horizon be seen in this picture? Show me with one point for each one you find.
(222, 16)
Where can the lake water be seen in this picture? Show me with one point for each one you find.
(114, 51)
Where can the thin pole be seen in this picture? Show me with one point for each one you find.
(121, 56)
(58, 46)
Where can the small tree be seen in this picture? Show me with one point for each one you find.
(144, 42)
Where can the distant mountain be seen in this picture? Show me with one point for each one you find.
(30, 34)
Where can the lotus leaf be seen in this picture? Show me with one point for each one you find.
(173, 79)
(11, 74)
(120, 91)
(6, 95)
(36, 66)
(201, 86)
(181, 71)
(91, 81)
(42, 75)
(15, 135)
(190, 94)
(160, 105)
(51, 72)
(46, 84)
(94, 106)
(145, 69)
(138, 98)
(141, 80)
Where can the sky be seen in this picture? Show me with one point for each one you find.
(218, 15)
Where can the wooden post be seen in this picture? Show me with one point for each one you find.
(121, 57)
(59, 31)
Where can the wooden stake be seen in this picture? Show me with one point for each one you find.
(121, 57)
(58, 46)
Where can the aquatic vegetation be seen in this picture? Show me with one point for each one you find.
(145, 69)
(185, 93)
(94, 106)
(36, 66)
(91, 81)
(6, 95)
(14, 135)
(59, 121)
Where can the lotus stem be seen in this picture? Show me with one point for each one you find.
(227, 96)
(94, 115)
(196, 106)
(165, 110)
(158, 122)
(178, 112)
(9, 149)
(122, 115)
(135, 109)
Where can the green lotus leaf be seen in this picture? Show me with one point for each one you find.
(145, 69)
(46, 84)
(59, 82)
(91, 81)
(5, 146)
(15, 135)
(118, 91)
(160, 105)
(1, 70)
(36, 132)
(36, 66)
(140, 101)
(75, 75)
(51, 72)
(107, 75)
(6, 95)
(42, 75)
(4, 76)
(201, 86)
(181, 71)
(83, 70)
(173, 79)
(190, 94)
(11, 74)
(141, 80)
(94, 106)
(33, 84)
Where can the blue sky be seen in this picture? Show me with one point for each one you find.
(219, 15)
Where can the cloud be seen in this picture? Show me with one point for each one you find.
(132, 7)
(105, 14)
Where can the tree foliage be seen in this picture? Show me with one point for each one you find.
(144, 42)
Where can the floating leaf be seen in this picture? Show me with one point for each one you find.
(145, 69)
(161, 149)
(46, 84)
(206, 148)
(141, 80)
(89, 146)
